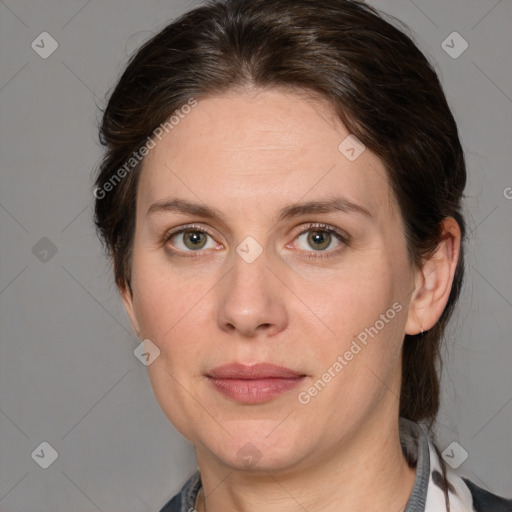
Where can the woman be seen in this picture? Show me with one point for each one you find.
(281, 199)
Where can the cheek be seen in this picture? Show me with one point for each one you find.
(359, 369)
(162, 300)
(356, 297)
(365, 316)
(174, 312)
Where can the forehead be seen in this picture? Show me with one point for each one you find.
(258, 150)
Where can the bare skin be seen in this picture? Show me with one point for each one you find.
(247, 155)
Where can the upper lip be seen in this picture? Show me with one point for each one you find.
(251, 372)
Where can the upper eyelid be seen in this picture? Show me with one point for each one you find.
(187, 227)
(323, 227)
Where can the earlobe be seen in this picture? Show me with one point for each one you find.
(434, 280)
(127, 298)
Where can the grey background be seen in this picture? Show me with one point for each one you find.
(68, 375)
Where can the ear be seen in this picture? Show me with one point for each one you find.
(433, 282)
(127, 298)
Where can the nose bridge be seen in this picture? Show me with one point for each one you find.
(251, 301)
(249, 272)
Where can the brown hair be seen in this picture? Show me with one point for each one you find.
(378, 83)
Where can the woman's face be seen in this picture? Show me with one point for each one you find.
(259, 239)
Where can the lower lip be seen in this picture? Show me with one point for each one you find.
(255, 391)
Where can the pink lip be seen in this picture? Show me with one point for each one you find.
(253, 384)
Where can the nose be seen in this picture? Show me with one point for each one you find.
(251, 300)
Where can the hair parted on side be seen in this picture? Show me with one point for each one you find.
(375, 78)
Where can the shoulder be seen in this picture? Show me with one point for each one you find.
(173, 505)
(463, 494)
(438, 486)
(484, 501)
(184, 501)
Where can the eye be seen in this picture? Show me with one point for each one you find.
(320, 238)
(317, 240)
(191, 239)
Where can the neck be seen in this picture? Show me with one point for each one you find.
(368, 469)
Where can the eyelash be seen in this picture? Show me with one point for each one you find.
(342, 237)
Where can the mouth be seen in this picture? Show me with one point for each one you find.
(253, 384)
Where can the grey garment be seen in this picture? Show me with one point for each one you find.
(185, 500)
(416, 448)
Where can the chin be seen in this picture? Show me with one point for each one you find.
(250, 451)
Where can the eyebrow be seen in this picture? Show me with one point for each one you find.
(335, 204)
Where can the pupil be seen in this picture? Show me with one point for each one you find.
(194, 239)
(319, 240)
